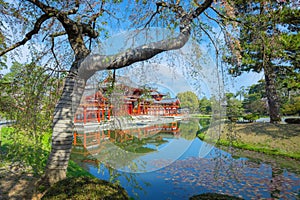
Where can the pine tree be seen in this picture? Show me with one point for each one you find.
(268, 41)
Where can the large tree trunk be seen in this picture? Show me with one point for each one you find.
(273, 100)
(63, 128)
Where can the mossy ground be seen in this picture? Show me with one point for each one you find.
(82, 188)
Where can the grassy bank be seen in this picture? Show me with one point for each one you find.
(279, 139)
(200, 116)
(18, 175)
(12, 150)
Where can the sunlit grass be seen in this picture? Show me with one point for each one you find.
(280, 139)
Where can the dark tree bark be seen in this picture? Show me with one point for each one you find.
(272, 96)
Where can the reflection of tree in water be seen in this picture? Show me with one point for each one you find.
(204, 123)
(122, 148)
(137, 145)
(108, 158)
(276, 182)
(112, 175)
(188, 129)
(110, 154)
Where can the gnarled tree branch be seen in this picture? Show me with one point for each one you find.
(28, 36)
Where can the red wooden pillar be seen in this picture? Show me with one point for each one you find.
(74, 139)
(84, 114)
(102, 112)
(98, 115)
(129, 109)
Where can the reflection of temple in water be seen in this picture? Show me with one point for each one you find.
(121, 99)
(90, 143)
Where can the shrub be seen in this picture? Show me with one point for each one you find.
(250, 117)
(82, 188)
(292, 120)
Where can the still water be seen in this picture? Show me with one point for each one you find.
(168, 161)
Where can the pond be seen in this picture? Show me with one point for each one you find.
(168, 161)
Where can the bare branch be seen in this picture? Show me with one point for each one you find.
(55, 70)
(75, 9)
(108, 12)
(95, 16)
(210, 38)
(53, 53)
(226, 34)
(174, 7)
(152, 16)
(57, 34)
(225, 17)
(213, 19)
(53, 11)
(28, 36)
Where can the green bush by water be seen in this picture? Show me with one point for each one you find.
(82, 188)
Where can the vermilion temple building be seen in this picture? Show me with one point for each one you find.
(123, 97)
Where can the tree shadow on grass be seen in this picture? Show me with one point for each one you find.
(281, 131)
(16, 185)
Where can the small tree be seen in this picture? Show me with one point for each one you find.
(188, 100)
(291, 107)
(29, 95)
(205, 106)
(255, 101)
(234, 108)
